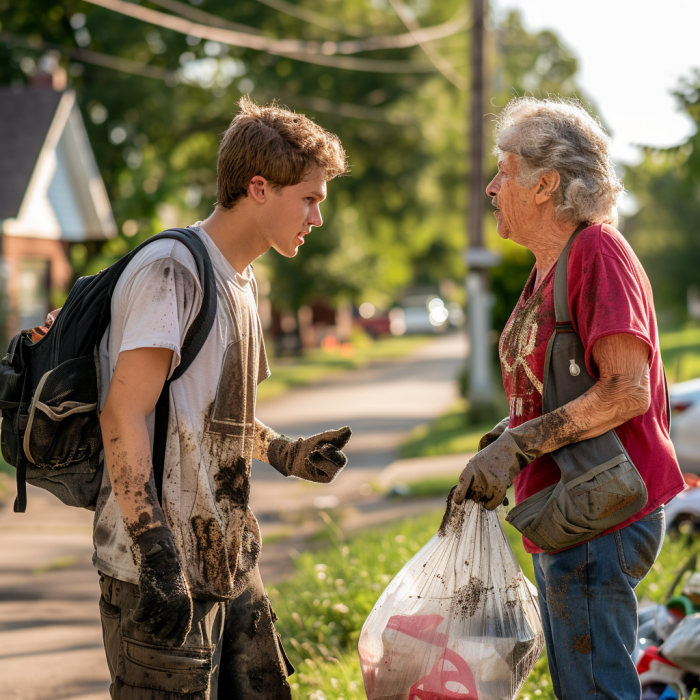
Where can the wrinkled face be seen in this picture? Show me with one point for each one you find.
(516, 210)
(289, 213)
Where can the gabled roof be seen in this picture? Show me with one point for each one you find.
(50, 185)
(25, 119)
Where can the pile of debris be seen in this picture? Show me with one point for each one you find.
(667, 654)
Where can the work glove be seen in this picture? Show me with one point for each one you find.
(165, 605)
(491, 471)
(494, 433)
(318, 458)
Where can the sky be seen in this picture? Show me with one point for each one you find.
(631, 54)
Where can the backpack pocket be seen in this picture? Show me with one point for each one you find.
(64, 425)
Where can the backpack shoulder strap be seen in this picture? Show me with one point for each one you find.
(192, 344)
(561, 279)
(200, 327)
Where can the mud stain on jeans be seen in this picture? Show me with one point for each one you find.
(582, 644)
(556, 592)
(645, 560)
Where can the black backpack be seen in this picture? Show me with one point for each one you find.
(49, 389)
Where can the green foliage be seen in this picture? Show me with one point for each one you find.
(333, 592)
(664, 231)
(657, 583)
(680, 350)
(432, 486)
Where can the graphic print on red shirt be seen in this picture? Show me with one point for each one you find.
(608, 293)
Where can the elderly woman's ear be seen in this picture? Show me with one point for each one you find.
(547, 186)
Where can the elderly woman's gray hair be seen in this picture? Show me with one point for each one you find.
(559, 134)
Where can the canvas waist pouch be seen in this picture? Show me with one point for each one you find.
(600, 487)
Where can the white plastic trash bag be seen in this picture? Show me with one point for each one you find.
(459, 621)
(683, 645)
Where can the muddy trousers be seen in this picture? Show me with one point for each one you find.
(232, 652)
(589, 610)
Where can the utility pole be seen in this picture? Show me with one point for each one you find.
(478, 257)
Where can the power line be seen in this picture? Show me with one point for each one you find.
(444, 66)
(329, 48)
(311, 52)
(123, 65)
(311, 17)
(193, 13)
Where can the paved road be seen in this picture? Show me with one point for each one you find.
(50, 635)
(381, 403)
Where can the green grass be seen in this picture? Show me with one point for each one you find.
(451, 433)
(430, 487)
(317, 365)
(680, 350)
(57, 564)
(323, 607)
(6, 468)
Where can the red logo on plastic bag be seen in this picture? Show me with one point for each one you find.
(434, 685)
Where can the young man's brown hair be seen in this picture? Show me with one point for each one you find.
(276, 143)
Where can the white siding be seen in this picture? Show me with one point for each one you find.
(62, 195)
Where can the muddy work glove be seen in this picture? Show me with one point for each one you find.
(318, 458)
(491, 471)
(165, 605)
(494, 434)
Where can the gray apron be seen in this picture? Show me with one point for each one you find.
(599, 486)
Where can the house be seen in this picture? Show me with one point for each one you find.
(51, 195)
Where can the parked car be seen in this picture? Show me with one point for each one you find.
(685, 424)
(424, 313)
(683, 512)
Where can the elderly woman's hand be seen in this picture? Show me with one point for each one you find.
(491, 471)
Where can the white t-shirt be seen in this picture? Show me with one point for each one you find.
(206, 481)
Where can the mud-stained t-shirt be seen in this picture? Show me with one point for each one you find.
(609, 293)
(206, 480)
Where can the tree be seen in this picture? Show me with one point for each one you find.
(664, 232)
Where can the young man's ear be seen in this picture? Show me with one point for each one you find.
(547, 186)
(258, 189)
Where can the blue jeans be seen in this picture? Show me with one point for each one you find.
(589, 610)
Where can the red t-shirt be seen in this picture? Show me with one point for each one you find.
(609, 293)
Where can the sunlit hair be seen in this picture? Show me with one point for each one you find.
(276, 143)
(560, 134)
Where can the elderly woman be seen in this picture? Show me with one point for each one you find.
(555, 177)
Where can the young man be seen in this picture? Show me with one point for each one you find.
(184, 612)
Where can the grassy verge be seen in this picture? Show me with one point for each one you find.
(316, 365)
(323, 607)
(680, 350)
(451, 433)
